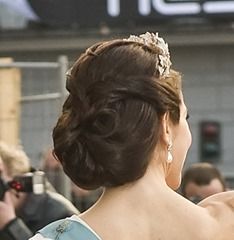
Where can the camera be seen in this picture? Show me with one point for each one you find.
(31, 182)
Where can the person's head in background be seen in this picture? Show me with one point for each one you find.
(48, 161)
(201, 180)
(13, 162)
(124, 113)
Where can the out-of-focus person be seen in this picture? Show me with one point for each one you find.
(53, 170)
(202, 180)
(23, 213)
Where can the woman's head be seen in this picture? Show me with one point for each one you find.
(119, 92)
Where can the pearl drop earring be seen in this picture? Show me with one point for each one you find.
(169, 154)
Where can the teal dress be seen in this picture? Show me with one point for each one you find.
(68, 229)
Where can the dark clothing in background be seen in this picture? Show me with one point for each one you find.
(37, 212)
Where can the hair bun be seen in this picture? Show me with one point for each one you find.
(110, 122)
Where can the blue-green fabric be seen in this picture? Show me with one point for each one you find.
(67, 229)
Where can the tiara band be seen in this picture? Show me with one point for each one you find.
(163, 63)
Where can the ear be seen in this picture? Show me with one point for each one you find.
(166, 129)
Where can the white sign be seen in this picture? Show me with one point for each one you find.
(145, 7)
(22, 7)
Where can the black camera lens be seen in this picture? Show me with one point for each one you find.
(24, 182)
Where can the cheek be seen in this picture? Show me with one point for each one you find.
(183, 140)
(181, 144)
(189, 137)
(189, 131)
(186, 135)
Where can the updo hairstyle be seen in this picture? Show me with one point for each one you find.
(111, 120)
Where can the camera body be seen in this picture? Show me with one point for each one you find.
(31, 182)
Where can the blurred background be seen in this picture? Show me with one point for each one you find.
(39, 40)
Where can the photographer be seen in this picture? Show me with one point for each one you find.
(22, 211)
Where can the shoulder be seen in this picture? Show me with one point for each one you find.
(221, 208)
(220, 202)
(66, 229)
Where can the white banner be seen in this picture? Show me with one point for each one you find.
(22, 7)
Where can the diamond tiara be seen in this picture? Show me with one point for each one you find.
(151, 40)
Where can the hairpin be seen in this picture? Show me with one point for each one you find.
(151, 40)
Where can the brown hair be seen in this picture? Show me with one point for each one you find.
(111, 120)
(201, 174)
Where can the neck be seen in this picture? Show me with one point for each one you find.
(146, 192)
(151, 184)
(143, 203)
